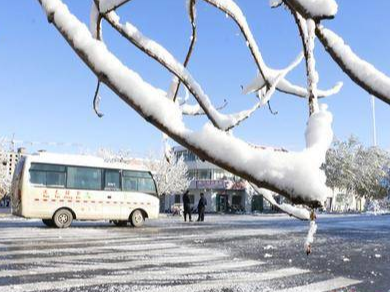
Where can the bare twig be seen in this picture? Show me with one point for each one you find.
(270, 109)
(96, 101)
(191, 10)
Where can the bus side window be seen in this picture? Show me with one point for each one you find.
(38, 177)
(146, 185)
(139, 181)
(84, 178)
(129, 184)
(49, 175)
(112, 180)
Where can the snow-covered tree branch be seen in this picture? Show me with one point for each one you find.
(360, 71)
(295, 175)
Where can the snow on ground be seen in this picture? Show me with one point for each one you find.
(165, 255)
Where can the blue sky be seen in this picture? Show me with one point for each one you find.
(46, 91)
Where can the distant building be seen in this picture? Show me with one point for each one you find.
(342, 201)
(10, 159)
(224, 191)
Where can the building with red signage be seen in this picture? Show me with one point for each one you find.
(224, 191)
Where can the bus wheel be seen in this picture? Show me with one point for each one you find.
(137, 218)
(119, 223)
(48, 222)
(62, 218)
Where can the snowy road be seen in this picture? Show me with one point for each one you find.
(226, 253)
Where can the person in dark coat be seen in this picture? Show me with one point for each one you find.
(187, 206)
(201, 207)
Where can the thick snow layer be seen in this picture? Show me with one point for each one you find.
(318, 133)
(292, 171)
(317, 9)
(297, 174)
(357, 68)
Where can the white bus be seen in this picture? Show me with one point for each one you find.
(61, 188)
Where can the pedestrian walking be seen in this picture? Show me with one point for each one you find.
(187, 206)
(201, 207)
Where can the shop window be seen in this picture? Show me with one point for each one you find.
(177, 199)
(236, 200)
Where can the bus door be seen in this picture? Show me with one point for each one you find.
(113, 198)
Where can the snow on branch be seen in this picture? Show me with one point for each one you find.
(230, 8)
(295, 175)
(360, 71)
(275, 3)
(196, 110)
(106, 6)
(307, 33)
(264, 96)
(314, 9)
(95, 21)
(294, 211)
(237, 118)
(266, 74)
(285, 86)
(312, 75)
(165, 58)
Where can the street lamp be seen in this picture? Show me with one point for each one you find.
(373, 120)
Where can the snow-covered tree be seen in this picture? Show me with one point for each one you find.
(286, 173)
(5, 178)
(171, 175)
(112, 156)
(340, 164)
(372, 166)
(362, 171)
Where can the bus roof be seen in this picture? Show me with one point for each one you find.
(84, 160)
